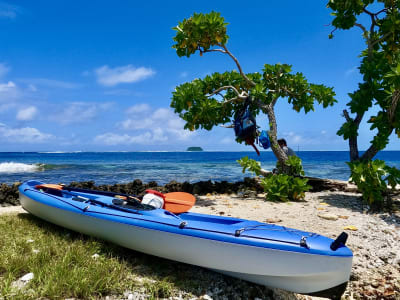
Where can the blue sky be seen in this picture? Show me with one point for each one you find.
(98, 75)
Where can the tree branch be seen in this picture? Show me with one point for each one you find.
(393, 107)
(228, 126)
(238, 66)
(346, 116)
(381, 11)
(240, 96)
(369, 154)
(273, 102)
(380, 39)
(362, 27)
(213, 50)
(222, 88)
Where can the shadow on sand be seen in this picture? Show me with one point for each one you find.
(356, 204)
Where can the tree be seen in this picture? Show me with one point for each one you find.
(380, 67)
(214, 100)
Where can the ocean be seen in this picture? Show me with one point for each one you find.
(162, 167)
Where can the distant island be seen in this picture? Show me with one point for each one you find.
(194, 149)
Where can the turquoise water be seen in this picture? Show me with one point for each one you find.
(162, 167)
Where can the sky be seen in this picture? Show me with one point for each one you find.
(99, 75)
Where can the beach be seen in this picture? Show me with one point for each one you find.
(374, 238)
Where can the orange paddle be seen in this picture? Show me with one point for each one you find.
(49, 186)
(176, 202)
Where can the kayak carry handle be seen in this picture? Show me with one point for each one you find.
(340, 241)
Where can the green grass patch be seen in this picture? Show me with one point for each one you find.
(63, 267)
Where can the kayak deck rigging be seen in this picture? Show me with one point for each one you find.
(117, 204)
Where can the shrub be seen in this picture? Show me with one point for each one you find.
(372, 179)
(281, 187)
(250, 164)
(293, 166)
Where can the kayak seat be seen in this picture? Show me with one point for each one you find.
(131, 204)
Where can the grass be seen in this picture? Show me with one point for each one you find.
(63, 267)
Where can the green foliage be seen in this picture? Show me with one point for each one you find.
(282, 187)
(372, 179)
(190, 100)
(250, 164)
(200, 32)
(379, 21)
(202, 108)
(216, 99)
(279, 82)
(292, 166)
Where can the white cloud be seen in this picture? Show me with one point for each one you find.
(293, 138)
(32, 88)
(351, 71)
(23, 135)
(8, 11)
(228, 141)
(138, 108)
(112, 139)
(79, 112)
(6, 87)
(52, 83)
(158, 127)
(134, 124)
(27, 114)
(125, 74)
(3, 69)
(162, 114)
(9, 92)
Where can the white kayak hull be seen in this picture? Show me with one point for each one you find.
(292, 271)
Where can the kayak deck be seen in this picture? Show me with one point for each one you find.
(226, 229)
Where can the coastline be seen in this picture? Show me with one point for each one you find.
(374, 238)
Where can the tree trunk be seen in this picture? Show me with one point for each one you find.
(353, 145)
(369, 154)
(278, 152)
(353, 148)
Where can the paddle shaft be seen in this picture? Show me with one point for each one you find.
(96, 192)
(112, 194)
(90, 200)
(172, 202)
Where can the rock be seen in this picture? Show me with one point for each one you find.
(375, 284)
(330, 217)
(23, 281)
(351, 227)
(273, 220)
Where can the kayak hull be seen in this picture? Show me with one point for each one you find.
(290, 270)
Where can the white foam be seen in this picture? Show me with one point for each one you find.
(59, 152)
(13, 167)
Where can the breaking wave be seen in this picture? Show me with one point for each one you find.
(13, 167)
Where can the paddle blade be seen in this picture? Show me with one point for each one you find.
(178, 202)
(49, 186)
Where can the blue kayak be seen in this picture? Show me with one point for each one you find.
(262, 253)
